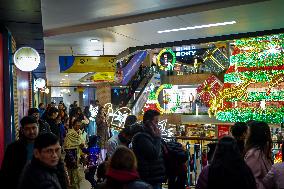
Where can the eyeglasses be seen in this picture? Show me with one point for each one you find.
(52, 151)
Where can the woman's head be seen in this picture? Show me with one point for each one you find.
(78, 111)
(228, 168)
(76, 124)
(259, 136)
(123, 159)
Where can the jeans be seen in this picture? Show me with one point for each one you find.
(157, 186)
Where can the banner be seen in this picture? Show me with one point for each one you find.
(103, 76)
(82, 64)
(131, 68)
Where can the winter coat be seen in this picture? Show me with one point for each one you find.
(274, 178)
(36, 175)
(14, 161)
(54, 127)
(148, 150)
(258, 164)
(112, 144)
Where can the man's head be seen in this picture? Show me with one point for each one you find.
(53, 104)
(52, 113)
(29, 126)
(41, 106)
(151, 116)
(47, 149)
(239, 130)
(34, 112)
(97, 103)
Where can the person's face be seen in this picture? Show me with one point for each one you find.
(155, 120)
(60, 106)
(53, 105)
(42, 106)
(54, 115)
(36, 115)
(30, 131)
(50, 155)
(77, 126)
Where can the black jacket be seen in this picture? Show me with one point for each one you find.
(148, 150)
(14, 161)
(43, 127)
(36, 175)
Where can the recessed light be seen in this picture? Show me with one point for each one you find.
(198, 27)
(66, 75)
(88, 85)
(60, 82)
(63, 79)
(94, 40)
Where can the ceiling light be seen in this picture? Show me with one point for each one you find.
(63, 79)
(94, 40)
(88, 85)
(66, 75)
(198, 27)
(60, 82)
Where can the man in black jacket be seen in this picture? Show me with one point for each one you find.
(19, 153)
(51, 120)
(46, 170)
(147, 147)
(43, 126)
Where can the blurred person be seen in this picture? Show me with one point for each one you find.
(41, 109)
(121, 171)
(46, 170)
(43, 126)
(130, 120)
(102, 130)
(258, 151)
(60, 123)
(62, 111)
(72, 146)
(78, 114)
(52, 120)
(53, 104)
(239, 132)
(44, 115)
(274, 179)
(147, 146)
(19, 153)
(204, 158)
(123, 138)
(227, 170)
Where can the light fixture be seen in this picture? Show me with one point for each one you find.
(94, 40)
(60, 82)
(26, 59)
(63, 79)
(198, 27)
(66, 75)
(88, 85)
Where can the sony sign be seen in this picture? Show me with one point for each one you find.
(185, 51)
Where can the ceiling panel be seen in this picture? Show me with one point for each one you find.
(250, 18)
(72, 12)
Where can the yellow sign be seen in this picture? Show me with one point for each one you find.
(103, 76)
(82, 64)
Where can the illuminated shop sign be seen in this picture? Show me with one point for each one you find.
(185, 51)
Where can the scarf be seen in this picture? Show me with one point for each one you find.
(122, 176)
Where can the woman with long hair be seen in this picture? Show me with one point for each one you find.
(102, 130)
(227, 169)
(122, 171)
(258, 154)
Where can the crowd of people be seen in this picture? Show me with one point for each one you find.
(55, 143)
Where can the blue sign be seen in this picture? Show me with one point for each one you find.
(185, 51)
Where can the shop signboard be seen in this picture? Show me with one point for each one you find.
(26, 59)
(223, 130)
(83, 64)
(131, 68)
(185, 51)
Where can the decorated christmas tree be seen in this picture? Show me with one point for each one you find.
(253, 84)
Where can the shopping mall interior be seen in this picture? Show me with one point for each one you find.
(159, 80)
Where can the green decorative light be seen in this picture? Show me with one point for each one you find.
(257, 76)
(269, 115)
(171, 64)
